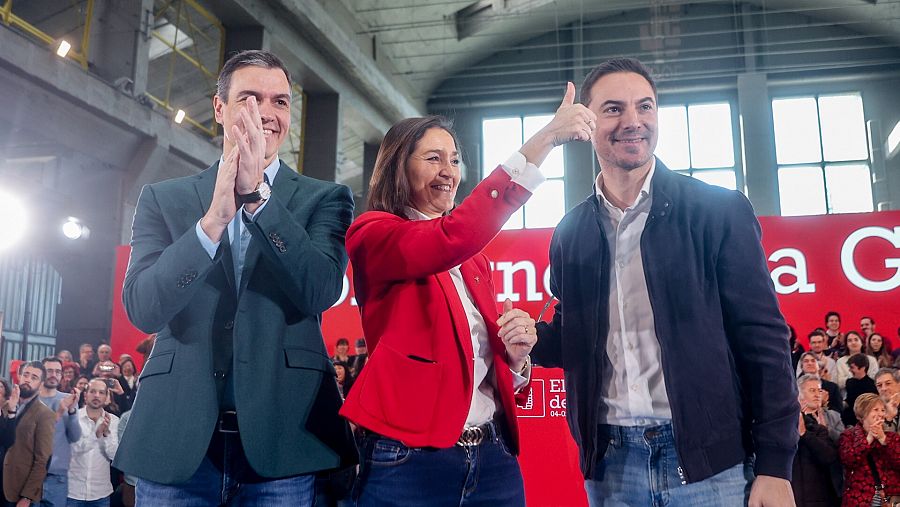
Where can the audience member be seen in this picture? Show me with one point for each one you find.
(109, 372)
(817, 346)
(65, 432)
(81, 383)
(128, 380)
(9, 402)
(65, 356)
(811, 366)
(86, 361)
(855, 345)
(342, 351)
(810, 387)
(146, 346)
(887, 382)
(26, 461)
(817, 454)
(880, 350)
(870, 455)
(358, 361)
(89, 478)
(344, 379)
(70, 372)
(835, 338)
(796, 348)
(867, 326)
(859, 383)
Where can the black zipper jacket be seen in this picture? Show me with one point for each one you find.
(724, 343)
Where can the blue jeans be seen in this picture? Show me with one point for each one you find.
(392, 474)
(210, 487)
(56, 489)
(102, 502)
(641, 469)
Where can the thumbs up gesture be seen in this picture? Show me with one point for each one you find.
(572, 122)
(518, 334)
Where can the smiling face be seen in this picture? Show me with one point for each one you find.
(433, 173)
(875, 416)
(626, 133)
(273, 96)
(833, 323)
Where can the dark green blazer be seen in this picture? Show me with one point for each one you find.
(284, 388)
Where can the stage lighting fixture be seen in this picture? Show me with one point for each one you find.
(63, 48)
(72, 228)
(13, 221)
(179, 116)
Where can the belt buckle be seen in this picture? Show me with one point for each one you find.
(227, 418)
(471, 436)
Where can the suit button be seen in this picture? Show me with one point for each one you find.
(219, 374)
(229, 324)
(494, 194)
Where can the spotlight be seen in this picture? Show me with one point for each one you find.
(179, 116)
(13, 221)
(63, 49)
(72, 228)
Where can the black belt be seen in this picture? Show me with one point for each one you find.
(228, 422)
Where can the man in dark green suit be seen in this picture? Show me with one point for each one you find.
(233, 268)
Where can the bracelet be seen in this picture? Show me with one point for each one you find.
(525, 366)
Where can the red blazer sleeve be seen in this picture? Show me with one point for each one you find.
(384, 247)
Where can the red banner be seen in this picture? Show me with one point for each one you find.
(846, 263)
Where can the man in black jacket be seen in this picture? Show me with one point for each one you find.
(675, 354)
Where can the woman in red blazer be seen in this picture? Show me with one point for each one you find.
(435, 404)
(865, 445)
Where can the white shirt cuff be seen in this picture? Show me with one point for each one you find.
(520, 381)
(255, 213)
(523, 172)
(207, 243)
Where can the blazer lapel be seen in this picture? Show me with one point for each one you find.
(286, 184)
(479, 284)
(205, 186)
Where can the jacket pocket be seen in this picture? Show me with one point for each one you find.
(305, 358)
(159, 364)
(400, 390)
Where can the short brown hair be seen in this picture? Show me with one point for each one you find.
(864, 404)
(389, 187)
(249, 58)
(611, 67)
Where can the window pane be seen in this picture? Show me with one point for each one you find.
(515, 221)
(712, 144)
(553, 166)
(724, 178)
(672, 147)
(796, 130)
(802, 190)
(843, 128)
(547, 206)
(500, 137)
(849, 188)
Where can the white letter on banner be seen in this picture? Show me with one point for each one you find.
(547, 282)
(509, 269)
(849, 267)
(798, 270)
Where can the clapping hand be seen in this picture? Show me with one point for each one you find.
(103, 428)
(518, 334)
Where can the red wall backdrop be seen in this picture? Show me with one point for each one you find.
(847, 263)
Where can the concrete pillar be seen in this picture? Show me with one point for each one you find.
(119, 46)
(760, 163)
(323, 115)
(370, 153)
(240, 38)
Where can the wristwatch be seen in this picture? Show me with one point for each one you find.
(261, 194)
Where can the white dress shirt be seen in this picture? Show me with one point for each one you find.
(633, 389)
(91, 456)
(484, 404)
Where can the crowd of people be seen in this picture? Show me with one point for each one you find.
(60, 424)
(849, 392)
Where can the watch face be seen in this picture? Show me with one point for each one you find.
(264, 191)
